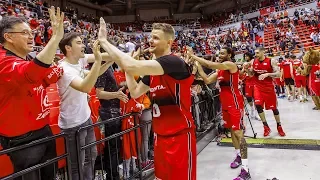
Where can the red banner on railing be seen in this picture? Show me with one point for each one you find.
(267, 11)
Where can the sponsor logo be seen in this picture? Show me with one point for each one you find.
(157, 88)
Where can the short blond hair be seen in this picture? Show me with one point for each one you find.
(166, 28)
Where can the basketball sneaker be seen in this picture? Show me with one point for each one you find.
(244, 175)
(266, 131)
(236, 162)
(280, 131)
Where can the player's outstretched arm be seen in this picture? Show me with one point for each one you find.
(215, 65)
(136, 89)
(47, 54)
(91, 58)
(125, 61)
(207, 79)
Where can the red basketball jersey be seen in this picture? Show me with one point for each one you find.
(262, 67)
(171, 101)
(314, 79)
(230, 95)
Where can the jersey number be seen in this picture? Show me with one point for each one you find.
(156, 110)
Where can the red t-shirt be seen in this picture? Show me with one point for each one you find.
(24, 103)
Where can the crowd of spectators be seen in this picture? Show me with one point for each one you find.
(204, 41)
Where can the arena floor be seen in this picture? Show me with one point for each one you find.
(284, 158)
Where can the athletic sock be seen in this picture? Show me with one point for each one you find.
(237, 151)
(265, 124)
(245, 164)
(278, 124)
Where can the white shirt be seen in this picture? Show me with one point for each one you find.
(130, 46)
(74, 108)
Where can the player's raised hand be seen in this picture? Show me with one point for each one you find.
(57, 18)
(96, 51)
(102, 35)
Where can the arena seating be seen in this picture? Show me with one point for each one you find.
(303, 32)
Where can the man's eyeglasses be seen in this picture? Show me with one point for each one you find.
(26, 33)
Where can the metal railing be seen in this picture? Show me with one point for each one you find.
(54, 161)
(132, 168)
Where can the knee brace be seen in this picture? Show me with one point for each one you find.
(249, 99)
(275, 112)
(259, 109)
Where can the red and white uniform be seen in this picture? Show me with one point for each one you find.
(300, 80)
(231, 99)
(173, 124)
(286, 67)
(24, 105)
(264, 91)
(314, 80)
(129, 139)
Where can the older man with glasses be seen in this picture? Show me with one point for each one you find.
(24, 111)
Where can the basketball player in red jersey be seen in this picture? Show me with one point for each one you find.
(169, 80)
(300, 80)
(287, 76)
(249, 87)
(264, 69)
(227, 80)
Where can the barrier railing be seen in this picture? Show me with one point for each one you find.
(54, 161)
(133, 146)
(132, 170)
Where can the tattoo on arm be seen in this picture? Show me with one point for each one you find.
(276, 70)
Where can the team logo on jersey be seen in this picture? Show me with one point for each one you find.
(157, 88)
(44, 102)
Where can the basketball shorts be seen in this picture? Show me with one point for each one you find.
(300, 82)
(232, 118)
(278, 82)
(175, 156)
(248, 90)
(266, 99)
(289, 81)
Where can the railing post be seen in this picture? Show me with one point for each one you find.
(79, 154)
(68, 161)
(137, 145)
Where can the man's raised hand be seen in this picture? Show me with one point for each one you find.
(102, 36)
(96, 51)
(57, 19)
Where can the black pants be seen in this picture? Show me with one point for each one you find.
(25, 158)
(112, 150)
